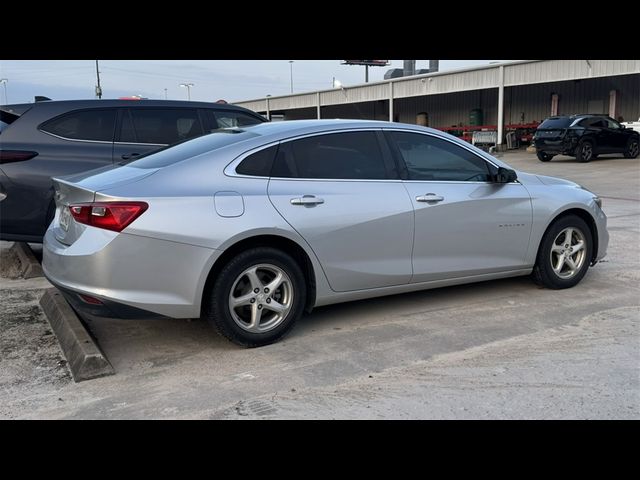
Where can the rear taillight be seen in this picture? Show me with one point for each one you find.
(114, 216)
(10, 156)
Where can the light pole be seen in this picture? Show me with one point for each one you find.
(4, 82)
(291, 72)
(188, 87)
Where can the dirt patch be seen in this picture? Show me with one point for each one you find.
(10, 266)
(29, 352)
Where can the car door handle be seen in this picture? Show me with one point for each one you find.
(429, 197)
(127, 156)
(307, 200)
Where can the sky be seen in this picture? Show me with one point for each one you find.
(230, 80)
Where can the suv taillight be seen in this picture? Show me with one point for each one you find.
(10, 156)
(114, 216)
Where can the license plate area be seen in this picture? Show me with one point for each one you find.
(65, 218)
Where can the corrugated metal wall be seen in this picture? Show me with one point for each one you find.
(575, 95)
(522, 103)
(449, 110)
(479, 78)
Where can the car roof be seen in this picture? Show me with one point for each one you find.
(579, 115)
(91, 103)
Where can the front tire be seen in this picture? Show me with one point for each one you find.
(585, 151)
(633, 148)
(544, 157)
(257, 297)
(564, 254)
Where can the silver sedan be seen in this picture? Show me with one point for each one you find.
(251, 227)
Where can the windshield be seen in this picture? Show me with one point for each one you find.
(556, 122)
(191, 148)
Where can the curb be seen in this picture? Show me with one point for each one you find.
(84, 357)
(30, 267)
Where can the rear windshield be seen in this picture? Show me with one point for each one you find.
(191, 148)
(553, 123)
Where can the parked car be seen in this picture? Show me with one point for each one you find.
(251, 226)
(57, 138)
(584, 137)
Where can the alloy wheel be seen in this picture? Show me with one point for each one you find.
(261, 298)
(586, 151)
(568, 252)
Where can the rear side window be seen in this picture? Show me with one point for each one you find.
(165, 126)
(556, 122)
(216, 119)
(349, 155)
(97, 125)
(228, 119)
(258, 164)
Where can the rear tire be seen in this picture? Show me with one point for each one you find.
(253, 318)
(564, 254)
(633, 148)
(585, 151)
(544, 157)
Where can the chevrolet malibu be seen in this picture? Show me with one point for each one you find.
(251, 227)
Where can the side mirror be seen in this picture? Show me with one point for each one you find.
(505, 175)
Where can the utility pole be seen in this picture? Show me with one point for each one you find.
(291, 71)
(98, 87)
(4, 82)
(188, 87)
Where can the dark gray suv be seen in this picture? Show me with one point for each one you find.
(57, 138)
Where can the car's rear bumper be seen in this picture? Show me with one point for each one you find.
(123, 270)
(556, 147)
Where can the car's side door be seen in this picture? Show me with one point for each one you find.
(465, 223)
(340, 192)
(142, 130)
(598, 129)
(616, 135)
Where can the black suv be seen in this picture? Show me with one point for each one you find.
(55, 138)
(584, 137)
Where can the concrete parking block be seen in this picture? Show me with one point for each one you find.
(29, 265)
(85, 359)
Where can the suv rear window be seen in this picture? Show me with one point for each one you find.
(192, 148)
(97, 125)
(555, 123)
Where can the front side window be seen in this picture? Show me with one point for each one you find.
(431, 158)
(165, 126)
(612, 123)
(349, 155)
(96, 125)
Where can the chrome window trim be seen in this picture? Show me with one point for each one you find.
(142, 143)
(76, 139)
(230, 171)
(430, 134)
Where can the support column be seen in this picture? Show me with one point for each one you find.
(268, 110)
(501, 105)
(391, 101)
(613, 104)
(318, 104)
